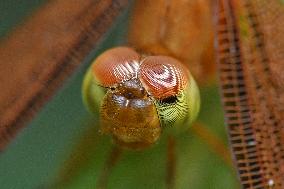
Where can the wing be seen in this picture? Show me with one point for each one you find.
(251, 59)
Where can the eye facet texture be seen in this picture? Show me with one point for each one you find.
(163, 76)
(179, 111)
(115, 66)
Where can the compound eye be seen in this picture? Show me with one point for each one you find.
(163, 76)
(115, 66)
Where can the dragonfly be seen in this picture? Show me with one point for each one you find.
(249, 77)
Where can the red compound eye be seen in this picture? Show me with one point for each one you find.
(115, 66)
(163, 76)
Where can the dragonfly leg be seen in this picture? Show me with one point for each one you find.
(213, 142)
(112, 160)
(171, 162)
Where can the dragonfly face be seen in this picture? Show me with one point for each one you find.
(139, 96)
(130, 115)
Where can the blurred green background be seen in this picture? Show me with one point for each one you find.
(40, 155)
